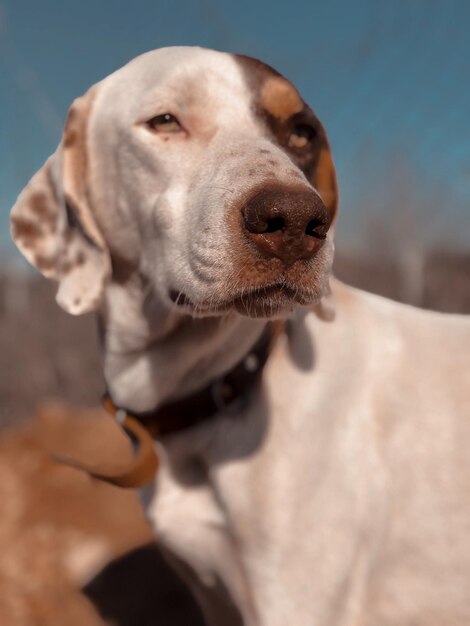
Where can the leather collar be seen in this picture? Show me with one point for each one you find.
(228, 392)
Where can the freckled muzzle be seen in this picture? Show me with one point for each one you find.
(288, 224)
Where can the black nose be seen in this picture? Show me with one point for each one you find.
(290, 224)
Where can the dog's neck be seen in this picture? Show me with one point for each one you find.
(153, 354)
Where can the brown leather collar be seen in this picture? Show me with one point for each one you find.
(226, 393)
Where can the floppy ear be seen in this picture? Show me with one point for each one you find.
(52, 221)
(324, 180)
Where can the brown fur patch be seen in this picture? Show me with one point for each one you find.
(25, 229)
(75, 166)
(44, 263)
(70, 137)
(44, 209)
(65, 267)
(80, 259)
(280, 98)
(325, 180)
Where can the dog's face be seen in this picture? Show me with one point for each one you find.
(205, 172)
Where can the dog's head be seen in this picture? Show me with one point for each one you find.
(203, 171)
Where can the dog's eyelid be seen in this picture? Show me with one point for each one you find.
(164, 123)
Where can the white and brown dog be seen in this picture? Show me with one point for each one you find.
(191, 200)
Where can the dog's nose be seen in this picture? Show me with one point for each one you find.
(290, 224)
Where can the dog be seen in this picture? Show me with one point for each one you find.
(59, 527)
(192, 200)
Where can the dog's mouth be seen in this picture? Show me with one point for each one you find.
(262, 301)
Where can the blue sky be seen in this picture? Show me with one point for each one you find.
(389, 79)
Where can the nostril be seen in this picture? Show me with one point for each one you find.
(260, 224)
(274, 224)
(316, 228)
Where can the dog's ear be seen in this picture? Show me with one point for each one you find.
(324, 180)
(52, 222)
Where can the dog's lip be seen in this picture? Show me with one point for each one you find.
(266, 291)
(261, 292)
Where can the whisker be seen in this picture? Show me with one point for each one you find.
(223, 188)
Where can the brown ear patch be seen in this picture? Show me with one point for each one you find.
(43, 219)
(325, 180)
(75, 166)
(25, 231)
(41, 206)
(80, 258)
(35, 222)
(279, 98)
(44, 264)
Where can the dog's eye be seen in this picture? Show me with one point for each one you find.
(165, 123)
(301, 136)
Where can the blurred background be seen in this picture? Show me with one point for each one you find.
(389, 80)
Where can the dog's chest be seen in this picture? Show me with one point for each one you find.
(239, 498)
